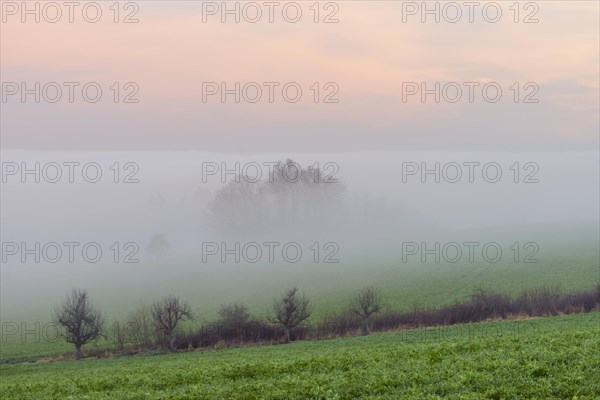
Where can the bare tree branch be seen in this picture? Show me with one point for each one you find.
(290, 310)
(81, 320)
(167, 314)
(365, 304)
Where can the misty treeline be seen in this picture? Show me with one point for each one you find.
(295, 200)
(159, 325)
(290, 197)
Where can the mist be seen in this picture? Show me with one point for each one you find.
(152, 216)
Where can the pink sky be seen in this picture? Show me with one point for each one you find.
(369, 54)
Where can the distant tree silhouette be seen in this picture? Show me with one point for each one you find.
(158, 245)
(291, 197)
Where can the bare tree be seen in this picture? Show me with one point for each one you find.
(167, 314)
(158, 246)
(121, 334)
(233, 314)
(81, 320)
(366, 303)
(141, 325)
(290, 310)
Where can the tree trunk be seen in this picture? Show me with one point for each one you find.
(287, 334)
(365, 328)
(77, 351)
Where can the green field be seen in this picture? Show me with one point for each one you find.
(328, 287)
(29, 296)
(543, 358)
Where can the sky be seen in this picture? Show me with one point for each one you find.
(367, 58)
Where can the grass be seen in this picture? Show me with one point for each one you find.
(570, 260)
(402, 287)
(549, 358)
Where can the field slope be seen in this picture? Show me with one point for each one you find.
(549, 358)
